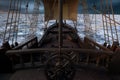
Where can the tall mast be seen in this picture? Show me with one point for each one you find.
(60, 8)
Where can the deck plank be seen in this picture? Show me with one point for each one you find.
(94, 74)
(90, 75)
(30, 74)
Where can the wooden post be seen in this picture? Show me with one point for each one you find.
(60, 22)
(60, 6)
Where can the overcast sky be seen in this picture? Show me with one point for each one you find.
(4, 4)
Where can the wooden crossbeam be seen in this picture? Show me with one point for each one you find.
(39, 50)
(24, 44)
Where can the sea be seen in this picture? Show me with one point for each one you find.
(94, 27)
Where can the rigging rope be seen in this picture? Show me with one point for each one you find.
(5, 33)
(108, 11)
(16, 22)
(12, 19)
(94, 6)
(27, 17)
(103, 21)
(35, 15)
(26, 11)
(114, 19)
(19, 11)
(105, 16)
(107, 29)
(86, 17)
(106, 24)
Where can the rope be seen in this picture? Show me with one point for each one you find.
(10, 5)
(103, 21)
(107, 27)
(83, 16)
(27, 17)
(26, 9)
(26, 12)
(20, 2)
(106, 23)
(94, 6)
(86, 17)
(13, 11)
(107, 4)
(35, 15)
(105, 16)
(115, 22)
(113, 18)
(14, 27)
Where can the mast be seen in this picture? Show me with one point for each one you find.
(60, 8)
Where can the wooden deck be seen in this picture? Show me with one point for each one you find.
(30, 74)
(5, 76)
(81, 74)
(90, 75)
(91, 72)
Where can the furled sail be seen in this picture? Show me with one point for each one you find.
(69, 9)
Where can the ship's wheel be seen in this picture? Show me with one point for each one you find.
(59, 68)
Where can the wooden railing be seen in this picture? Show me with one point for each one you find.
(32, 43)
(86, 56)
(94, 53)
(93, 45)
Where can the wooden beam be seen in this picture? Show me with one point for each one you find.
(24, 44)
(77, 50)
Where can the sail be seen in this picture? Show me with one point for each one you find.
(69, 9)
